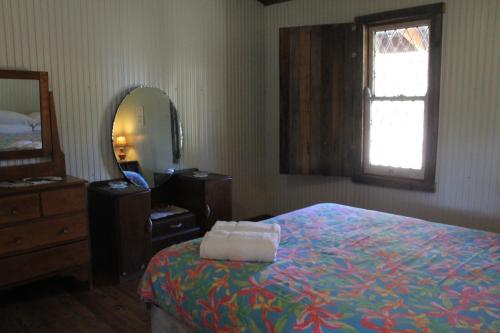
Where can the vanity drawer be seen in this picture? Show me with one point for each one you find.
(19, 208)
(44, 262)
(67, 200)
(174, 224)
(42, 233)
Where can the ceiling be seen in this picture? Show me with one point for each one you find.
(271, 2)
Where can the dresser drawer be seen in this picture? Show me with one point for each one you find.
(67, 200)
(44, 262)
(19, 208)
(42, 233)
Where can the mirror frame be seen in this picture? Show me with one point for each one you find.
(177, 138)
(177, 135)
(43, 80)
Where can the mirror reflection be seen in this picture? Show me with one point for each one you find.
(20, 117)
(146, 137)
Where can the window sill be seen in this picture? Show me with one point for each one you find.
(422, 185)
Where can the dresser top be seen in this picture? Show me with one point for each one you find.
(67, 181)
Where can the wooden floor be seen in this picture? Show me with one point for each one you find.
(56, 306)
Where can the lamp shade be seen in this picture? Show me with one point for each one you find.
(121, 141)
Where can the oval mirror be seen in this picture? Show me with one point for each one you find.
(147, 137)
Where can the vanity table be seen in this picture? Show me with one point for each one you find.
(147, 145)
(43, 223)
(123, 234)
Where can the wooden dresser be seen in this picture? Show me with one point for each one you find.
(44, 232)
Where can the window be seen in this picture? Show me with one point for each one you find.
(401, 97)
(395, 99)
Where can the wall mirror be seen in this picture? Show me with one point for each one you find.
(147, 137)
(24, 114)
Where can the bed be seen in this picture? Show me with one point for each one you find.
(339, 268)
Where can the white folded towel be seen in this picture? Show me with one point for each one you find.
(240, 245)
(247, 226)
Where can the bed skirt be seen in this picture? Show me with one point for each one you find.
(162, 322)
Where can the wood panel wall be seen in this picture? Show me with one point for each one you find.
(207, 55)
(468, 165)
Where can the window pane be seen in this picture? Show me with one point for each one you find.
(400, 59)
(396, 134)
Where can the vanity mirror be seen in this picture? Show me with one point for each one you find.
(147, 137)
(24, 115)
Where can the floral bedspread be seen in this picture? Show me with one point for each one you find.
(340, 269)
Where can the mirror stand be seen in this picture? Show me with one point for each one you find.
(55, 167)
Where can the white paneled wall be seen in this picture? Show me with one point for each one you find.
(208, 55)
(468, 170)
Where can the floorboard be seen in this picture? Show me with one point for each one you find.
(56, 305)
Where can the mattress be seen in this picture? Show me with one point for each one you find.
(338, 268)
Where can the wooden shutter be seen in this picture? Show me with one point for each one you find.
(316, 99)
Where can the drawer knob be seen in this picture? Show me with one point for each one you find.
(176, 226)
(13, 211)
(18, 241)
(65, 231)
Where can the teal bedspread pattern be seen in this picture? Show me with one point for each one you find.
(341, 269)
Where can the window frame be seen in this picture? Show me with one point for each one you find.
(423, 180)
(368, 97)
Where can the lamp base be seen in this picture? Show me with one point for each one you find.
(121, 154)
